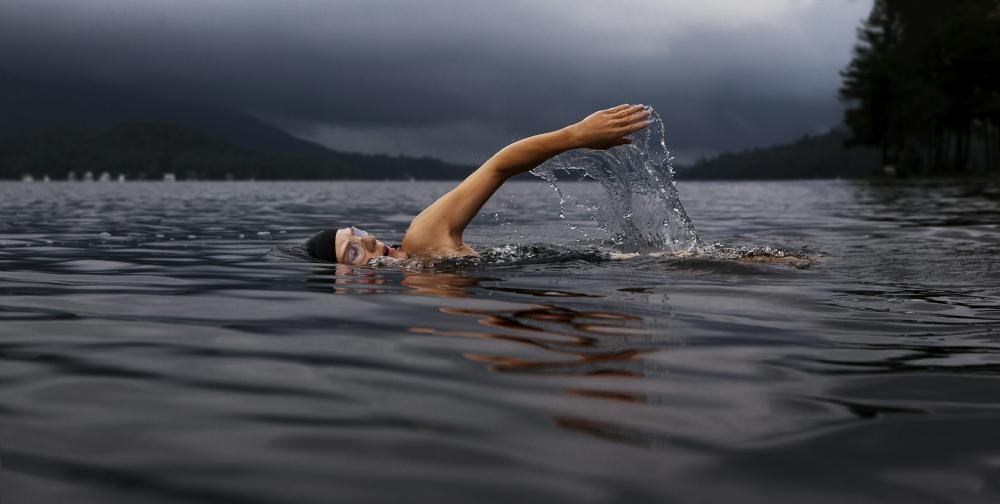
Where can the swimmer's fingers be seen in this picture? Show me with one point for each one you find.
(636, 126)
(629, 111)
(617, 109)
(635, 117)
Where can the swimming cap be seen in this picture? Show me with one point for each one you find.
(322, 245)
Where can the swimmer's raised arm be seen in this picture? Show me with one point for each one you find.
(439, 227)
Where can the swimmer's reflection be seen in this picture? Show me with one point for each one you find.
(350, 280)
(552, 340)
(597, 346)
(449, 285)
(581, 342)
(548, 339)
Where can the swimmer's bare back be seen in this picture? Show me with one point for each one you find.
(437, 231)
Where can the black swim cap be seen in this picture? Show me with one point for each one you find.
(322, 245)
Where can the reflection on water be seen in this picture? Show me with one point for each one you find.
(547, 339)
(172, 344)
(574, 342)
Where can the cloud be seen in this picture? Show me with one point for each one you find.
(457, 78)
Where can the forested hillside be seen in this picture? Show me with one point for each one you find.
(52, 128)
(149, 149)
(819, 156)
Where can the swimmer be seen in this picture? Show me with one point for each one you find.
(437, 231)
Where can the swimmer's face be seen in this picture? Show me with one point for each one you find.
(356, 247)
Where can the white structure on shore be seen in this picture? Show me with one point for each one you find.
(121, 178)
(27, 178)
(105, 177)
(88, 176)
(169, 177)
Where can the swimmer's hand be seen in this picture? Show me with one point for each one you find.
(608, 128)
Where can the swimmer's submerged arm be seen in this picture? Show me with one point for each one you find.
(441, 224)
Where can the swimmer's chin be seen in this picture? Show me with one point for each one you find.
(392, 252)
(391, 256)
(395, 253)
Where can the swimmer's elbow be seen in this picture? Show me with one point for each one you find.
(508, 163)
(497, 170)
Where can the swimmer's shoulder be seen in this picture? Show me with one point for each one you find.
(433, 242)
(417, 249)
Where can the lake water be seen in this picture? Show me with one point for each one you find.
(167, 343)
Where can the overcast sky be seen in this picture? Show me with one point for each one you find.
(459, 79)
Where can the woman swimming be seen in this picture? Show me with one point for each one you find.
(437, 230)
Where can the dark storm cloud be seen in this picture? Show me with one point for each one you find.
(457, 78)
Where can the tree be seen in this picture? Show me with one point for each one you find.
(923, 85)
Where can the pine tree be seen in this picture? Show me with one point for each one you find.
(923, 85)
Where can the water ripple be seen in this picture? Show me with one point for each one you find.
(172, 343)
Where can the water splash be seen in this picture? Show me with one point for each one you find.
(642, 211)
(498, 257)
(563, 257)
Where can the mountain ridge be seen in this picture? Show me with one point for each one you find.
(35, 106)
(58, 119)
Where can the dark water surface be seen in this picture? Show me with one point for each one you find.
(164, 343)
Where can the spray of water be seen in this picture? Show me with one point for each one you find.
(641, 210)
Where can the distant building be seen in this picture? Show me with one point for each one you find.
(105, 177)
(169, 177)
(27, 178)
(88, 176)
